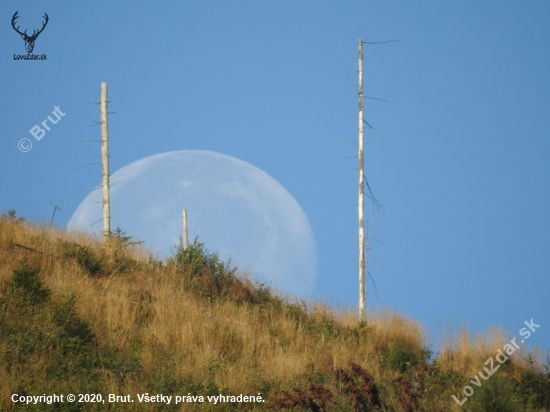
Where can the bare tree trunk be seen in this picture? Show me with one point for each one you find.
(105, 162)
(362, 284)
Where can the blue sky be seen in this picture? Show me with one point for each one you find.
(460, 159)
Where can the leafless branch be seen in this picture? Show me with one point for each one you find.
(374, 200)
(89, 164)
(376, 98)
(33, 250)
(53, 214)
(374, 283)
(96, 222)
(376, 240)
(380, 42)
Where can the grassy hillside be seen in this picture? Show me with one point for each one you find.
(81, 316)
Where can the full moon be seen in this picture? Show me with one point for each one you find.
(234, 208)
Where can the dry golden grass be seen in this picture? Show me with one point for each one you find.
(240, 346)
(197, 332)
(466, 354)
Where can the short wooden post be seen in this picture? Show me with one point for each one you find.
(185, 238)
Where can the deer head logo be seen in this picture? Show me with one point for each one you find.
(29, 40)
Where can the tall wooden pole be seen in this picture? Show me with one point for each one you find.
(185, 238)
(362, 285)
(105, 161)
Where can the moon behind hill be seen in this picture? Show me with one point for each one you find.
(235, 209)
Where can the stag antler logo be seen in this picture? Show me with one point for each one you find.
(29, 40)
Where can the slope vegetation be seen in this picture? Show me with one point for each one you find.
(79, 315)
